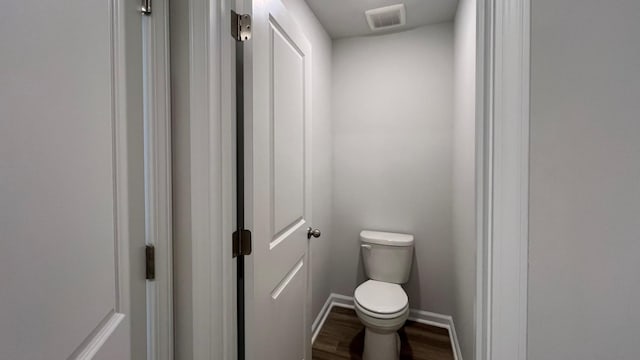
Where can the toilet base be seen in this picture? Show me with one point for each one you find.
(381, 345)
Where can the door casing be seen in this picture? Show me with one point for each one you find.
(158, 187)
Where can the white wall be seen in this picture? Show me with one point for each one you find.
(584, 280)
(464, 205)
(392, 128)
(321, 150)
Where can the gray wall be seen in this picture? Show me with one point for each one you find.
(584, 287)
(464, 205)
(393, 112)
(321, 150)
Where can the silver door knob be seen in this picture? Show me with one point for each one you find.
(313, 232)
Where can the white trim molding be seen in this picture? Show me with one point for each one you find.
(503, 173)
(157, 174)
(332, 300)
(207, 251)
(203, 179)
(420, 316)
(441, 321)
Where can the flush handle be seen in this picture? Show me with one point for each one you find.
(313, 232)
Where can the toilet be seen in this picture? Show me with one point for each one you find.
(380, 302)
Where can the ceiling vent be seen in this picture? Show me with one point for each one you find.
(387, 17)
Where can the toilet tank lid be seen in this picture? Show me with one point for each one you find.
(386, 238)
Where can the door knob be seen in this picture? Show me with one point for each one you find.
(313, 232)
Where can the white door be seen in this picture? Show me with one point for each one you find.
(280, 186)
(71, 181)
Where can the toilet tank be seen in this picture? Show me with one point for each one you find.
(386, 256)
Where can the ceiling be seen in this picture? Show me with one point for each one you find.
(345, 18)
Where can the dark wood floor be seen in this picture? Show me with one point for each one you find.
(342, 337)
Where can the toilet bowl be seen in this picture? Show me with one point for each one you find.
(380, 302)
(383, 309)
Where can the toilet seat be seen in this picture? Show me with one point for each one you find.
(381, 300)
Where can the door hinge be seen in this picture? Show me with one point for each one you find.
(146, 7)
(240, 26)
(150, 262)
(241, 242)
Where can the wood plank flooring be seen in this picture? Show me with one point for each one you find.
(342, 337)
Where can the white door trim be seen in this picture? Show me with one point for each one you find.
(158, 192)
(203, 109)
(208, 236)
(502, 178)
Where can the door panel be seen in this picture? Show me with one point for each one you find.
(287, 69)
(287, 307)
(281, 186)
(62, 271)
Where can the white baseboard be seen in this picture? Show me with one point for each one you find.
(421, 316)
(441, 321)
(320, 319)
(332, 300)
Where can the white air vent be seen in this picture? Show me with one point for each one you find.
(387, 17)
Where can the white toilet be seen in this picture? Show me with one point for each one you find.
(381, 304)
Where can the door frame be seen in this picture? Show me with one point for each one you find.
(157, 178)
(203, 112)
(502, 177)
